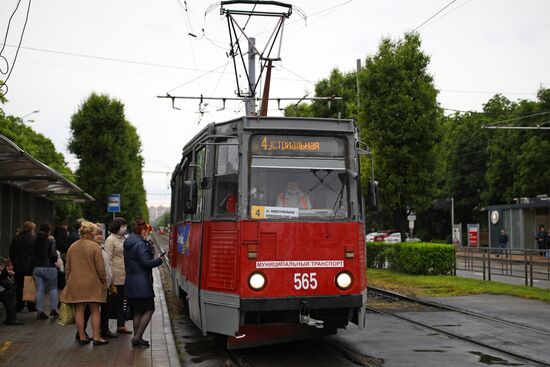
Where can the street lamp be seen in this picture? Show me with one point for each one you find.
(28, 114)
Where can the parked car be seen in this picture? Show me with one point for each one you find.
(412, 239)
(393, 238)
(382, 234)
(371, 236)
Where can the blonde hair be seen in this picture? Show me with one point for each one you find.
(88, 229)
(28, 226)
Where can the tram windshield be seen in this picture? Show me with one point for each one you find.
(298, 177)
(298, 193)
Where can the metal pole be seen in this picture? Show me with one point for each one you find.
(250, 108)
(489, 265)
(531, 268)
(452, 213)
(483, 252)
(358, 87)
(525, 266)
(265, 97)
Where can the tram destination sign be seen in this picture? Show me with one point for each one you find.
(296, 145)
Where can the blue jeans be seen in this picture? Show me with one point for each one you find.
(46, 279)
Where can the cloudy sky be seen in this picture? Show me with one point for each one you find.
(136, 50)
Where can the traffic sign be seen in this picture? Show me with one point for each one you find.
(411, 224)
(113, 203)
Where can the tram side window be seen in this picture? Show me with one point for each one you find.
(200, 161)
(226, 179)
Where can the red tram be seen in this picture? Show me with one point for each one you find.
(267, 242)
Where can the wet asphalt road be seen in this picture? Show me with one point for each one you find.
(393, 341)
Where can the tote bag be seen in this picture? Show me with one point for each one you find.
(29, 289)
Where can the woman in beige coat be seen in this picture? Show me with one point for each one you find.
(86, 281)
(115, 252)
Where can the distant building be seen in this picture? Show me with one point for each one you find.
(520, 220)
(155, 212)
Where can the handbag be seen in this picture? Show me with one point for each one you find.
(29, 289)
(66, 314)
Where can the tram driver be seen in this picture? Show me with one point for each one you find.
(293, 197)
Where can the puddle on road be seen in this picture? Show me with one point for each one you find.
(492, 360)
(428, 351)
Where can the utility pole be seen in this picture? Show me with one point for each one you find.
(250, 104)
(358, 88)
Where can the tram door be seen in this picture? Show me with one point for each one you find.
(195, 225)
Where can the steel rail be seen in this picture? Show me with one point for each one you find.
(455, 309)
(448, 333)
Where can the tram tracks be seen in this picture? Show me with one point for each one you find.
(409, 304)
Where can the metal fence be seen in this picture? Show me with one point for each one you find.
(528, 264)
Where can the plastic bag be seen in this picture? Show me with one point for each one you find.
(66, 314)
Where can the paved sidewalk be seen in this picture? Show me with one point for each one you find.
(46, 344)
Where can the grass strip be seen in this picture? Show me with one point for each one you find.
(447, 285)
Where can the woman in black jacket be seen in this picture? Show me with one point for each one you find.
(139, 260)
(45, 272)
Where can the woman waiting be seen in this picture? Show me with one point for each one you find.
(86, 282)
(139, 260)
(115, 251)
(45, 271)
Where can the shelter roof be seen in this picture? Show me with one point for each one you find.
(20, 169)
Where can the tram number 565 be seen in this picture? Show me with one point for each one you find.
(305, 281)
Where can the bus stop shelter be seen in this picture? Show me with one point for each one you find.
(28, 191)
(521, 221)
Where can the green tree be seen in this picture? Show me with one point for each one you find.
(464, 157)
(338, 84)
(109, 150)
(401, 122)
(516, 157)
(164, 220)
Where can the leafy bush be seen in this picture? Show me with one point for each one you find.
(412, 258)
(377, 253)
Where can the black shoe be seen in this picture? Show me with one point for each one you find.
(140, 343)
(53, 313)
(109, 334)
(15, 322)
(100, 342)
(84, 342)
(77, 336)
(41, 316)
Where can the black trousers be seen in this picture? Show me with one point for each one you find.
(7, 297)
(119, 307)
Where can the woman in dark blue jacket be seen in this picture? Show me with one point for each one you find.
(139, 260)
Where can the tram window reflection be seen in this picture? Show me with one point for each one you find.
(316, 193)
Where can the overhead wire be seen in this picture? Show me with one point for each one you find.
(3, 84)
(434, 15)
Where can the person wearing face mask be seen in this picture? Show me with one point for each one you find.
(115, 253)
(293, 197)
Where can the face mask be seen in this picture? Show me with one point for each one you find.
(122, 230)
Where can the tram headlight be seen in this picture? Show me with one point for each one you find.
(344, 280)
(256, 281)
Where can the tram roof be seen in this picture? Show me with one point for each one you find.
(18, 168)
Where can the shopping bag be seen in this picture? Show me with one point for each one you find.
(66, 314)
(29, 289)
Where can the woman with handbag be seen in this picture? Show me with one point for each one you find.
(45, 271)
(86, 282)
(139, 260)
